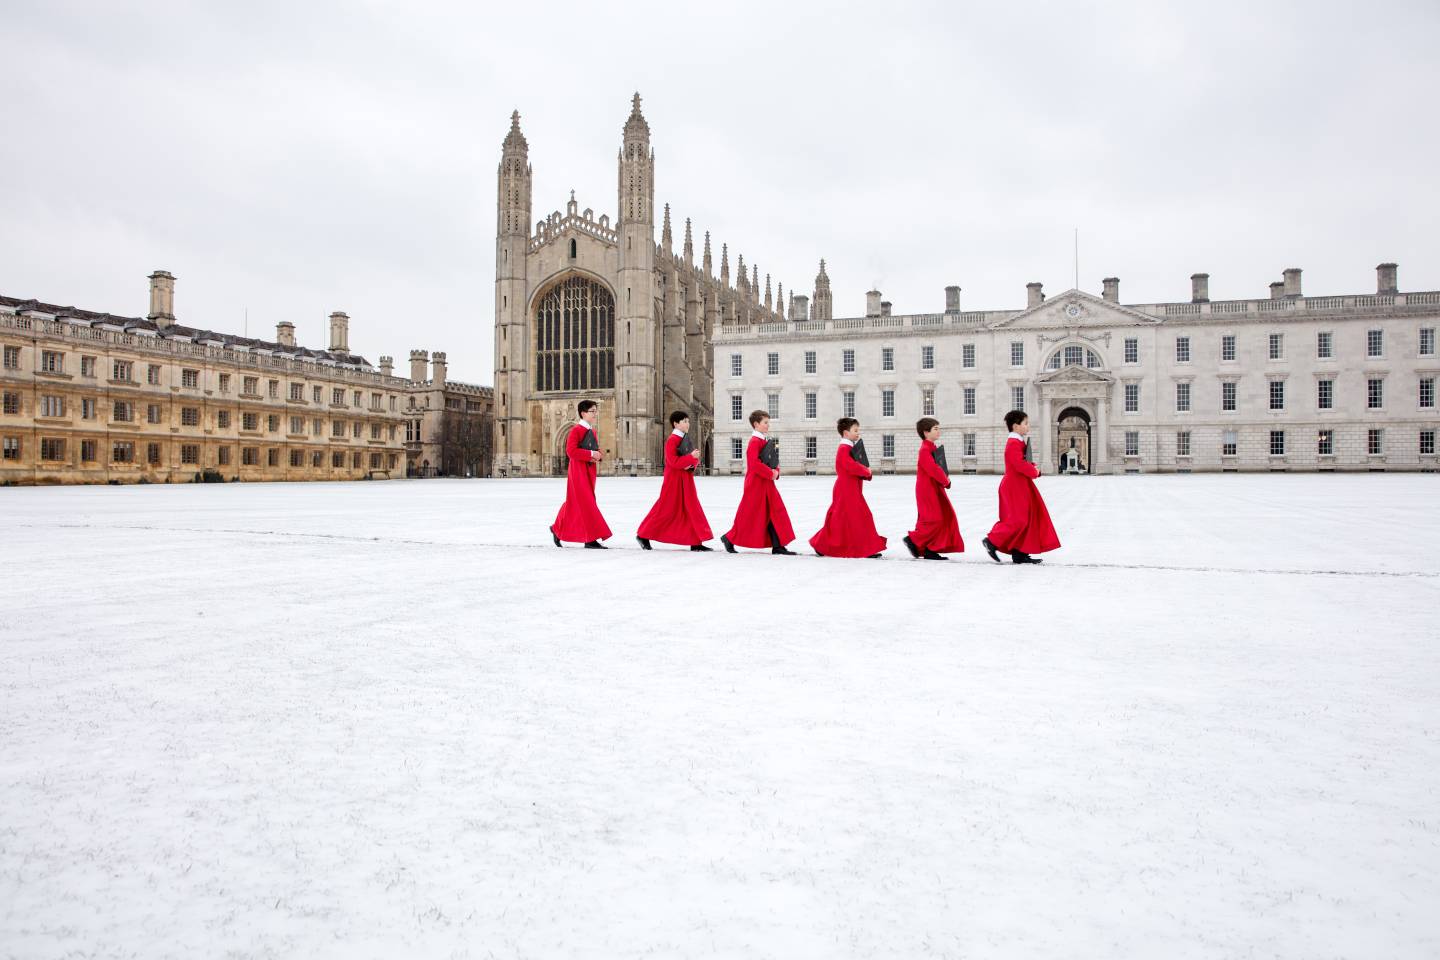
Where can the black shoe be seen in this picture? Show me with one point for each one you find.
(554, 537)
(1018, 556)
(596, 545)
(910, 545)
(729, 547)
(819, 554)
(644, 544)
(699, 548)
(990, 549)
(932, 555)
(777, 549)
(873, 556)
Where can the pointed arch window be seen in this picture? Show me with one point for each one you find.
(575, 337)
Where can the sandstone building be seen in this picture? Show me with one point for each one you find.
(89, 397)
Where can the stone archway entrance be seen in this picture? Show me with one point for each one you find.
(560, 461)
(1073, 441)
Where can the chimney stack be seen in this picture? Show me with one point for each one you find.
(340, 331)
(418, 361)
(1292, 282)
(437, 362)
(387, 366)
(952, 299)
(1277, 290)
(162, 298)
(285, 333)
(1199, 288)
(885, 308)
(1387, 278)
(872, 303)
(800, 308)
(1034, 295)
(1112, 289)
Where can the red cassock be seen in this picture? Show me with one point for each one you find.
(760, 505)
(936, 529)
(676, 516)
(1024, 522)
(849, 529)
(579, 519)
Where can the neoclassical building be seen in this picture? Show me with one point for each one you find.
(1284, 382)
(589, 309)
(91, 397)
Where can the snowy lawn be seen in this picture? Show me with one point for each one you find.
(391, 720)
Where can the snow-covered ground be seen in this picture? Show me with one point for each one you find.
(391, 720)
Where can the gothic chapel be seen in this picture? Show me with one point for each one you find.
(584, 308)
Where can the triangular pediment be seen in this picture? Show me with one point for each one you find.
(1074, 374)
(1075, 309)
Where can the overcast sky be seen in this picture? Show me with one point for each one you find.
(293, 159)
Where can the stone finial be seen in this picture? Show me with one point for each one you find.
(689, 249)
(515, 140)
(769, 300)
(635, 126)
(724, 264)
(707, 262)
(754, 281)
(666, 240)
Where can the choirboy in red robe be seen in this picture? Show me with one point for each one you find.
(760, 504)
(579, 519)
(936, 528)
(676, 517)
(1024, 523)
(849, 529)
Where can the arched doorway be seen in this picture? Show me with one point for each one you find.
(560, 461)
(1072, 441)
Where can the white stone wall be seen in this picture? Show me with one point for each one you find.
(1102, 327)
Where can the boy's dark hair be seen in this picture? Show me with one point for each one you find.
(845, 423)
(756, 416)
(1014, 417)
(924, 425)
(677, 416)
(585, 405)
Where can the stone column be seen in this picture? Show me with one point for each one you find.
(1099, 440)
(1045, 456)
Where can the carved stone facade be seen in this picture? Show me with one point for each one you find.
(1284, 383)
(589, 310)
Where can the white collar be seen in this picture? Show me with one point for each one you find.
(847, 442)
(757, 433)
(1016, 436)
(582, 423)
(676, 433)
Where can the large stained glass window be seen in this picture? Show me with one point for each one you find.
(575, 337)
